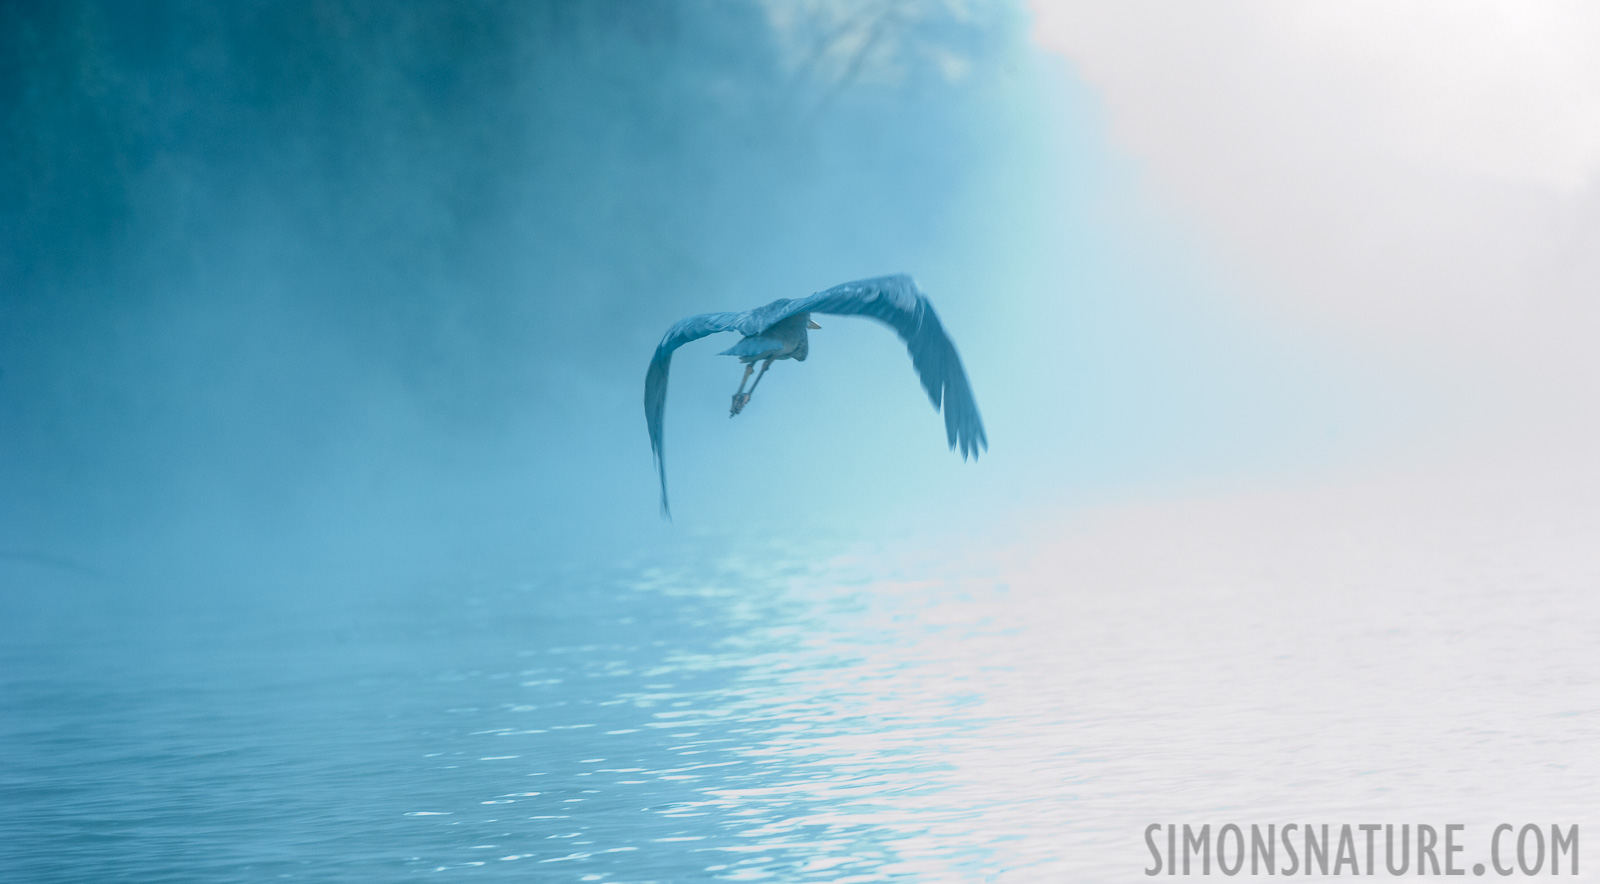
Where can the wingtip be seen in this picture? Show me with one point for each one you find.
(970, 446)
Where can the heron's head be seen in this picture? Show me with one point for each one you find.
(811, 324)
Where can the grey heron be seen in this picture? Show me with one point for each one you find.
(778, 331)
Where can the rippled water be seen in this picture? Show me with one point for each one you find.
(1012, 709)
(636, 724)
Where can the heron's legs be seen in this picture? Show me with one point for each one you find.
(741, 398)
(764, 366)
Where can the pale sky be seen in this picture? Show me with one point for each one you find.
(1425, 174)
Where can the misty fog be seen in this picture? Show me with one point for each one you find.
(293, 283)
(330, 545)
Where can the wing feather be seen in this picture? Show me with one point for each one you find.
(897, 302)
(655, 380)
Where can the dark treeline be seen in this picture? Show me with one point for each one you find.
(267, 267)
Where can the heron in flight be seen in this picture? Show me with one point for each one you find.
(778, 331)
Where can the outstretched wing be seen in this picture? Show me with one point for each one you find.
(897, 302)
(655, 380)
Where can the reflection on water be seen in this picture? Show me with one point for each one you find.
(711, 723)
(727, 719)
(1013, 710)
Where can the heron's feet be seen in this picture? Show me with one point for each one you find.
(740, 400)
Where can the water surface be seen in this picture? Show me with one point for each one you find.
(1009, 706)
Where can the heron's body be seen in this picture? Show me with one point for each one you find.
(778, 331)
(785, 339)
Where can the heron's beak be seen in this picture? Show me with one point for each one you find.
(810, 324)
